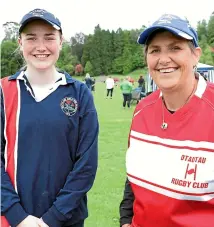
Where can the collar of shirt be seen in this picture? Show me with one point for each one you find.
(40, 93)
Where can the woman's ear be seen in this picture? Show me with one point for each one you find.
(198, 53)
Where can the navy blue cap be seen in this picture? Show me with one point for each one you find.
(173, 24)
(40, 14)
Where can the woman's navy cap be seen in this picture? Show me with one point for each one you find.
(40, 14)
(173, 24)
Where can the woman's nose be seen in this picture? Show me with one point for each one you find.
(164, 59)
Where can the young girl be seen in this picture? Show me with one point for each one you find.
(49, 134)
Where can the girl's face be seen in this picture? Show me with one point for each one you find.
(171, 61)
(40, 44)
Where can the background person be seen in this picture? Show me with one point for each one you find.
(167, 131)
(49, 132)
(141, 82)
(126, 88)
(88, 81)
(93, 83)
(109, 86)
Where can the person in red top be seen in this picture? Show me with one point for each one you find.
(170, 159)
(131, 80)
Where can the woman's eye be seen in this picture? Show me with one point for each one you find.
(176, 48)
(50, 38)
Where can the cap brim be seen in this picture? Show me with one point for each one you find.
(37, 18)
(142, 39)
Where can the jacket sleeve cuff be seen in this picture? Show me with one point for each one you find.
(53, 217)
(125, 220)
(15, 214)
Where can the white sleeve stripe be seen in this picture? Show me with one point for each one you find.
(193, 145)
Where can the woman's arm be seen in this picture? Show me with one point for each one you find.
(126, 205)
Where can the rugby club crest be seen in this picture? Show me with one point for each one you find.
(69, 106)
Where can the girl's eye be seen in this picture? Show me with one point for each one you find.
(31, 38)
(154, 51)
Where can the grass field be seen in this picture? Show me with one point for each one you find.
(106, 194)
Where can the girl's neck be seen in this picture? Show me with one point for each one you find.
(36, 77)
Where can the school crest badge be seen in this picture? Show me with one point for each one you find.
(69, 106)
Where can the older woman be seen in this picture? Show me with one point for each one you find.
(170, 160)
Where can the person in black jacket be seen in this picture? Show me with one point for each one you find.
(141, 82)
(126, 205)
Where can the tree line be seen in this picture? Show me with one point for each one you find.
(102, 53)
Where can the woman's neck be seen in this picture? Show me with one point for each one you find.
(36, 77)
(178, 98)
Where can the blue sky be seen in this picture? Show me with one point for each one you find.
(83, 15)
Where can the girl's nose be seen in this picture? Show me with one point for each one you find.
(40, 45)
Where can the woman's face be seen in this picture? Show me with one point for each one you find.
(40, 44)
(171, 61)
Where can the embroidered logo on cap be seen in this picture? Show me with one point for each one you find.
(166, 19)
(69, 106)
(38, 12)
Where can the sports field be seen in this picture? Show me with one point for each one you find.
(106, 194)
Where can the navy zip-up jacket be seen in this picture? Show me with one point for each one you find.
(48, 152)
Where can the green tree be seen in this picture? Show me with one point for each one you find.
(113, 52)
(11, 59)
(206, 56)
(117, 66)
(106, 52)
(77, 44)
(89, 68)
(95, 52)
(118, 46)
(210, 30)
(136, 49)
(66, 60)
(127, 61)
(202, 29)
(86, 49)
(127, 53)
(206, 40)
(118, 43)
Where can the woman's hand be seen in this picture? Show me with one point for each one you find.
(126, 225)
(31, 221)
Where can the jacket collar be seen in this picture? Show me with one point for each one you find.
(69, 79)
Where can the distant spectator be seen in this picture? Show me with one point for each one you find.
(116, 81)
(93, 83)
(109, 86)
(88, 81)
(131, 80)
(126, 88)
(141, 81)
